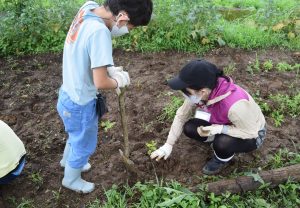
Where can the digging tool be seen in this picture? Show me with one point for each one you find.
(125, 155)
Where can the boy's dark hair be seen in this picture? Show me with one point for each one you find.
(139, 11)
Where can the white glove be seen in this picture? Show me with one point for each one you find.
(164, 151)
(122, 78)
(113, 69)
(206, 131)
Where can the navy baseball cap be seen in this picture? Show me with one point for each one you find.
(196, 74)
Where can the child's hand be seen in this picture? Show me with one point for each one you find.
(210, 130)
(163, 152)
(113, 69)
(122, 78)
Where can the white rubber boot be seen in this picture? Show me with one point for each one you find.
(72, 180)
(85, 168)
(65, 155)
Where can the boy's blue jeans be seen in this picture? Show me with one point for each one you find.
(81, 124)
(14, 173)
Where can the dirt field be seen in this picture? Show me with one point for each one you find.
(28, 96)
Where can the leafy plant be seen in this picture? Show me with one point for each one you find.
(94, 204)
(279, 158)
(35, 31)
(255, 176)
(278, 118)
(268, 65)
(115, 198)
(107, 125)
(285, 104)
(56, 194)
(281, 106)
(230, 69)
(192, 25)
(173, 194)
(283, 66)
(282, 158)
(36, 178)
(151, 146)
(264, 106)
(169, 111)
(26, 203)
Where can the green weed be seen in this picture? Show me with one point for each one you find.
(32, 24)
(169, 111)
(264, 106)
(268, 65)
(107, 125)
(283, 158)
(279, 106)
(151, 146)
(56, 195)
(283, 66)
(173, 194)
(115, 198)
(94, 204)
(230, 69)
(36, 178)
(254, 67)
(277, 117)
(192, 25)
(288, 105)
(26, 203)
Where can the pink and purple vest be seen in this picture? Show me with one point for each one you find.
(219, 110)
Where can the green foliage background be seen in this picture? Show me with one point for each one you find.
(37, 26)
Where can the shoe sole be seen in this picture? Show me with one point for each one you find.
(206, 172)
(78, 191)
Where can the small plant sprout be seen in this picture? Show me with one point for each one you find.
(268, 65)
(278, 118)
(151, 146)
(37, 178)
(107, 125)
(283, 66)
(230, 69)
(169, 111)
(254, 67)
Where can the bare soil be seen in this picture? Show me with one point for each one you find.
(28, 96)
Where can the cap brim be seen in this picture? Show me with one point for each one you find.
(177, 84)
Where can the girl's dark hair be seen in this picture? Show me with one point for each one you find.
(211, 85)
(185, 92)
(139, 11)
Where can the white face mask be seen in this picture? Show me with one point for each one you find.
(117, 32)
(195, 99)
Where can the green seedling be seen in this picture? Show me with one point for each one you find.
(107, 125)
(169, 111)
(254, 67)
(278, 118)
(36, 178)
(26, 203)
(56, 194)
(268, 65)
(283, 66)
(230, 69)
(151, 146)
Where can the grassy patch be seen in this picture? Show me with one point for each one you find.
(169, 111)
(279, 106)
(191, 25)
(173, 194)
